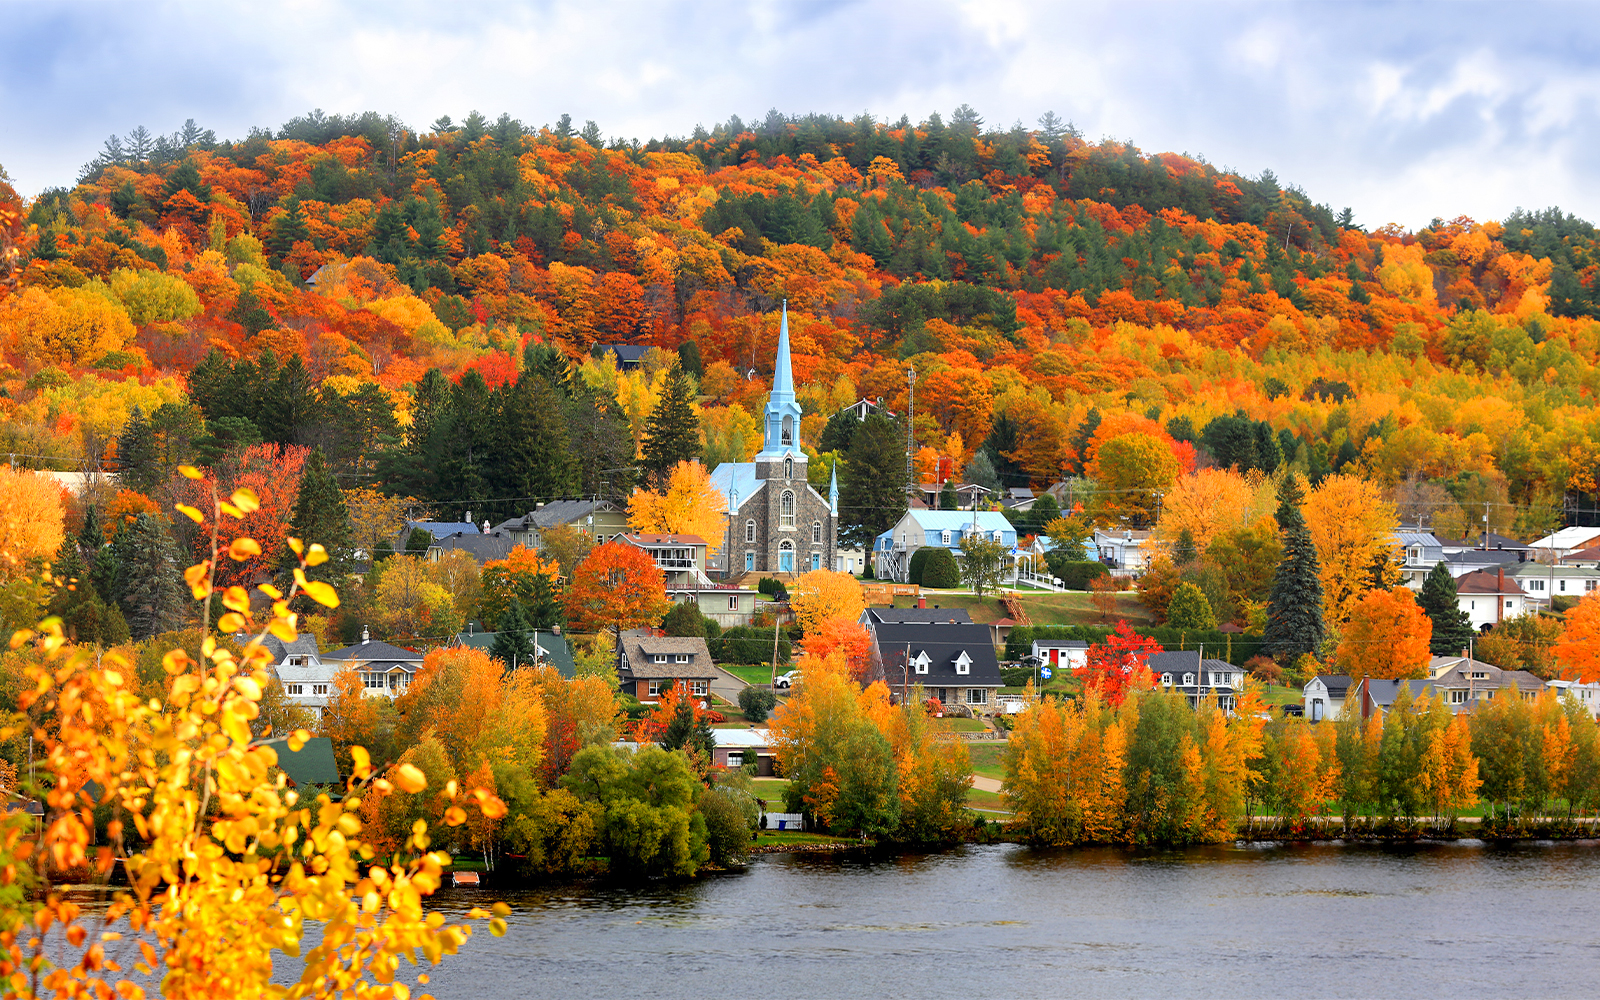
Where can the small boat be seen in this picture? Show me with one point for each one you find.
(463, 878)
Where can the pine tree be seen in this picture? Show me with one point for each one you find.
(535, 461)
(93, 534)
(1452, 627)
(688, 729)
(138, 465)
(1183, 551)
(872, 483)
(948, 498)
(672, 434)
(150, 589)
(513, 638)
(1294, 608)
(288, 229)
(290, 406)
(320, 516)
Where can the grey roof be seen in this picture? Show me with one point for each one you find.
(1456, 671)
(628, 355)
(375, 652)
(1383, 691)
(1177, 661)
(481, 547)
(638, 647)
(558, 512)
(1495, 542)
(1337, 684)
(554, 647)
(303, 644)
(944, 643)
(903, 616)
(1480, 557)
(439, 529)
(1423, 538)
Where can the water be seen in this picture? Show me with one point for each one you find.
(1459, 920)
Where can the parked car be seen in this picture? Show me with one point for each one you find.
(785, 681)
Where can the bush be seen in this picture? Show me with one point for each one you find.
(919, 560)
(1264, 669)
(757, 703)
(1016, 676)
(940, 572)
(1073, 573)
(744, 644)
(767, 585)
(685, 621)
(1562, 605)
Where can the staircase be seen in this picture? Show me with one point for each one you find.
(1013, 606)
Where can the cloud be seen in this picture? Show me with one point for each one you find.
(1402, 112)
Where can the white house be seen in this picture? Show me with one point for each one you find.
(917, 529)
(1587, 695)
(1490, 598)
(1565, 542)
(1127, 552)
(1068, 654)
(386, 670)
(1324, 697)
(307, 680)
(1543, 581)
(1420, 551)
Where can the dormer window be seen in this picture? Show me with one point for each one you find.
(1188, 680)
(963, 663)
(683, 657)
(659, 658)
(999, 536)
(1166, 680)
(922, 663)
(944, 537)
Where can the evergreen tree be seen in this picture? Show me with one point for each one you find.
(290, 405)
(462, 443)
(600, 441)
(981, 471)
(513, 638)
(838, 432)
(672, 434)
(948, 498)
(689, 358)
(148, 585)
(138, 464)
(535, 463)
(1452, 627)
(872, 483)
(687, 729)
(288, 228)
(320, 516)
(93, 535)
(1183, 551)
(544, 611)
(1294, 608)
(1083, 435)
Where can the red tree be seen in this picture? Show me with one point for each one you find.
(617, 587)
(1120, 662)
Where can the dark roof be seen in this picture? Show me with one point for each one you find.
(554, 646)
(1495, 542)
(628, 355)
(638, 647)
(374, 651)
(1481, 581)
(483, 548)
(902, 616)
(1480, 556)
(1337, 684)
(943, 643)
(439, 529)
(303, 644)
(1178, 662)
(558, 512)
(312, 764)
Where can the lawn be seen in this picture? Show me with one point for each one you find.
(964, 725)
(986, 761)
(987, 801)
(1043, 609)
(752, 673)
(774, 838)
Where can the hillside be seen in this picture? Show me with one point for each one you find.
(1051, 294)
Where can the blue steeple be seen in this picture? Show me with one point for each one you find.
(781, 434)
(833, 491)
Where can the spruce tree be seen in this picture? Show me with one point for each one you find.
(138, 465)
(948, 498)
(1452, 627)
(320, 516)
(1183, 551)
(1294, 608)
(686, 729)
(513, 638)
(872, 482)
(535, 462)
(151, 591)
(672, 434)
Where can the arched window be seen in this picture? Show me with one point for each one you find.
(786, 557)
(750, 531)
(788, 468)
(944, 537)
(788, 431)
(786, 509)
(816, 532)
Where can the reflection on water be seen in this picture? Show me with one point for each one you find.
(1301, 920)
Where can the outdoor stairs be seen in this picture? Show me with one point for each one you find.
(1013, 606)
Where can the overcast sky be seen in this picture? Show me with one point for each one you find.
(1403, 112)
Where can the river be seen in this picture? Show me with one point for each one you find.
(1458, 920)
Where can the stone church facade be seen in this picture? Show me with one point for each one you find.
(780, 525)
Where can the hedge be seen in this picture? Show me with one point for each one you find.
(940, 571)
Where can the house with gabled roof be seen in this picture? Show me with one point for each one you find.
(300, 667)
(1323, 697)
(650, 664)
(1197, 678)
(1543, 582)
(385, 669)
(1490, 598)
(892, 550)
(600, 519)
(953, 660)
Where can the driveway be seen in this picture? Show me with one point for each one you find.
(727, 686)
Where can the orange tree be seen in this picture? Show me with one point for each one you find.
(227, 864)
(1578, 652)
(617, 587)
(1387, 636)
(522, 575)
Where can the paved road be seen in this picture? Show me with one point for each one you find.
(727, 685)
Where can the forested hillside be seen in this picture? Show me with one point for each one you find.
(1052, 294)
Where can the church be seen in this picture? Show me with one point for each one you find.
(778, 523)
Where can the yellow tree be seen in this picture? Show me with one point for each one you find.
(1351, 525)
(30, 520)
(1387, 636)
(374, 517)
(1578, 652)
(1132, 468)
(1209, 502)
(690, 506)
(822, 595)
(408, 605)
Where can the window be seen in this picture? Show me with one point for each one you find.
(750, 532)
(1416, 555)
(922, 662)
(786, 509)
(816, 560)
(788, 468)
(1563, 590)
(816, 532)
(733, 604)
(659, 658)
(749, 561)
(736, 758)
(1458, 697)
(999, 536)
(1590, 584)
(698, 688)
(683, 657)
(963, 663)
(788, 430)
(319, 689)
(655, 689)
(978, 696)
(944, 537)
(1188, 680)
(296, 661)
(296, 688)
(1480, 675)
(1166, 680)
(373, 680)
(1511, 604)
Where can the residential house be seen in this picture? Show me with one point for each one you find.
(1185, 671)
(550, 648)
(682, 561)
(1324, 697)
(651, 664)
(1589, 555)
(386, 669)
(1587, 695)
(1486, 541)
(438, 529)
(1466, 561)
(1063, 654)
(736, 747)
(483, 546)
(600, 520)
(1376, 695)
(626, 356)
(953, 659)
(1552, 547)
(917, 529)
(1542, 582)
(1490, 598)
(853, 561)
(863, 408)
(307, 680)
(1018, 498)
(1126, 552)
(1420, 551)
(1463, 683)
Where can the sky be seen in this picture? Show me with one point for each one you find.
(1403, 112)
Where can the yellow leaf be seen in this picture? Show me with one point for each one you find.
(317, 556)
(361, 763)
(322, 593)
(410, 778)
(189, 472)
(235, 599)
(175, 662)
(245, 499)
(191, 513)
(284, 629)
(247, 687)
(233, 621)
(270, 591)
(298, 739)
(295, 546)
(455, 816)
(243, 548)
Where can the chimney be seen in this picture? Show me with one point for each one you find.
(1499, 598)
(468, 518)
(366, 636)
(486, 526)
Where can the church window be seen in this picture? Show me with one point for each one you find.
(786, 509)
(816, 532)
(788, 468)
(750, 531)
(786, 557)
(788, 431)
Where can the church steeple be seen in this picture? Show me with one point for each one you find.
(833, 491)
(780, 441)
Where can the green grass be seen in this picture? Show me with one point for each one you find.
(986, 760)
(1278, 694)
(774, 838)
(1042, 608)
(988, 801)
(752, 673)
(964, 725)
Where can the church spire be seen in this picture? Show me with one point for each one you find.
(782, 376)
(781, 436)
(833, 490)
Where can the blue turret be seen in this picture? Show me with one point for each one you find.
(781, 435)
(833, 491)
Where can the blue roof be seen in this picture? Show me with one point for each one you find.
(440, 529)
(740, 476)
(961, 520)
